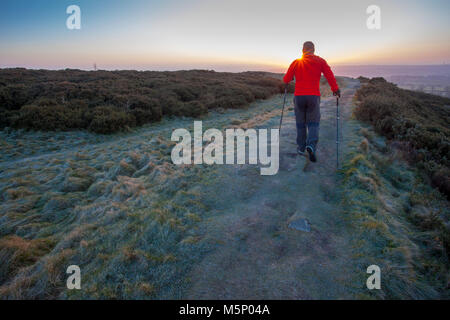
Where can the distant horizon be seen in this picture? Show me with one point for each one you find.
(244, 70)
(351, 70)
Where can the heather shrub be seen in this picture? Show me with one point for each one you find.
(108, 119)
(441, 180)
(74, 99)
(171, 106)
(418, 119)
(5, 118)
(53, 117)
(187, 93)
(14, 96)
(194, 109)
(144, 109)
(45, 101)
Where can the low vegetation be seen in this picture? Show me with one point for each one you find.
(415, 122)
(400, 222)
(139, 226)
(111, 101)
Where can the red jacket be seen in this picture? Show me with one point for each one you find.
(307, 71)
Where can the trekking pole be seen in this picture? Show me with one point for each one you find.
(337, 133)
(282, 110)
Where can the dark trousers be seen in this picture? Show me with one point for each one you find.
(307, 118)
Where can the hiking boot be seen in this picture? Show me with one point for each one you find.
(300, 152)
(311, 153)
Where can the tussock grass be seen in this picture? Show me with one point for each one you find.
(401, 222)
(17, 193)
(364, 145)
(17, 253)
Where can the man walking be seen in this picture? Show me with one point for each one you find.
(307, 71)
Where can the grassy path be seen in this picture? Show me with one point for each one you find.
(259, 256)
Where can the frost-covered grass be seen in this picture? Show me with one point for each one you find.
(114, 205)
(400, 222)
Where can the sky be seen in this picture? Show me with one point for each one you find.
(225, 35)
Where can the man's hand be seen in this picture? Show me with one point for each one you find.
(337, 93)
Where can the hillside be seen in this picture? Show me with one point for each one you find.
(141, 227)
(415, 122)
(111, 101)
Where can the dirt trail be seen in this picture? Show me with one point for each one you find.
(259, 256)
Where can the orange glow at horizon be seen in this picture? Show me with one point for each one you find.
(199, 34)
